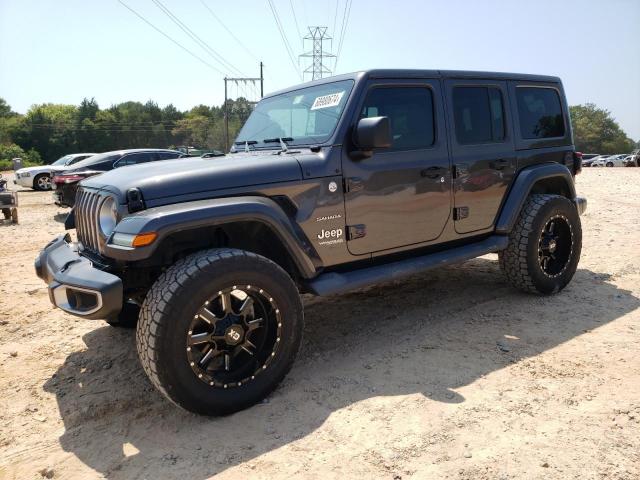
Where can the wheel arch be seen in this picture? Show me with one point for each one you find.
(551, 178)
(37, 175)
(255, 224)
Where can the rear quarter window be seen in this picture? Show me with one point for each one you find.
(539, 112)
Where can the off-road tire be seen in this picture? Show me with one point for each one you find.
(520, 262)
(128, 316)
(169, 308)
(36, 185)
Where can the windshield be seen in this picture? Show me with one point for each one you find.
(304, 116)
(62, 160)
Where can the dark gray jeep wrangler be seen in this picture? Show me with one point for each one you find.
(332, 185)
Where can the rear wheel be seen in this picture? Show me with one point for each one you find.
(609, 164)
(42, 182)
(219, 330)
(544, 246)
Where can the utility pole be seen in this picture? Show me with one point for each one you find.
(318, 68)
(226, 118)
(237, 80)
(261, 81)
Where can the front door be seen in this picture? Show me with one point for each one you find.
(482, 150)
(400, 195)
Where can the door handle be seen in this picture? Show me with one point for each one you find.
(433, 172)
(499, 164)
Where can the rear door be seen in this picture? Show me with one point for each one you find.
(482, 150)
(400, 195)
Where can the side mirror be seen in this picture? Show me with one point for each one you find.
(372, 133)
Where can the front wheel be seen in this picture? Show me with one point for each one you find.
(219, 330)
(609, 164)
(42, 182)
(544, 246)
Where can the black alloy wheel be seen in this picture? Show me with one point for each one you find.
(234, 336)
(555, 246)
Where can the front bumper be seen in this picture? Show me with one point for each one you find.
(75, 285)
(581, 204)
(24, 181)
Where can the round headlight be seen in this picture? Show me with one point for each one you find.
(108, 216)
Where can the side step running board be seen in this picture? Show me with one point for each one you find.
(332, 283)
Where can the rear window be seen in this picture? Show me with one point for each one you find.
(540, 112)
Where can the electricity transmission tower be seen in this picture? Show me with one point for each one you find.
(318, 68)
(243, 80)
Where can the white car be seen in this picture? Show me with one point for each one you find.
(610, 161)
(39, 177)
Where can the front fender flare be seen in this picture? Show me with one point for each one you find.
(168, 219)
(521, 188)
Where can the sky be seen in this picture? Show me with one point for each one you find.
(61, 51)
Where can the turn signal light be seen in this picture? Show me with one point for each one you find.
(144, 239)
(133, 241)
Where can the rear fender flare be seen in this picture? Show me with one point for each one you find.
(522, 186)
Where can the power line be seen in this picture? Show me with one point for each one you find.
(219, 58)
(229, 31)
(169, 38)
(295, 19)
(343, 30)
(287, 46)
(335, 17)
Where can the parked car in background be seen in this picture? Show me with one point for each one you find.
(66, 181)
(632, 161)
(587, 158)
(596, 160)
(610, 161)
(39, 177)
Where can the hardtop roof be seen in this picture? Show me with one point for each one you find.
(417, 73)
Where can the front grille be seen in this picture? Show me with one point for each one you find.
(87, 208)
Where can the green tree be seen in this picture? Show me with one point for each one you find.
(596, 131)
(5, 109)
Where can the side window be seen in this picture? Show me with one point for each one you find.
(102, 166)
(478, 115)
(135, 158)
(77, 159)
(410, 113)
(167, 155)
(539, 112)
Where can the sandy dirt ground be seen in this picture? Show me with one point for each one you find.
(450, 374)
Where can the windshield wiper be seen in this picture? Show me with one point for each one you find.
(246, 144)
(283, 146)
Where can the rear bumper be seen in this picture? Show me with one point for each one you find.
(581, 204)
(75, 285)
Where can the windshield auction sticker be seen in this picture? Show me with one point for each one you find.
(327, 101)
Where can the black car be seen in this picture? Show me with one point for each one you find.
(337, 184)
(66, 181)
(588, 158)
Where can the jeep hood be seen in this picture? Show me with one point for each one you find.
(195, 177)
